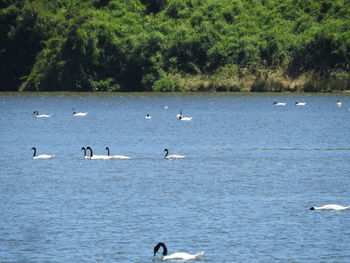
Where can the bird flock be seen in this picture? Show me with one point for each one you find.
(88, 154)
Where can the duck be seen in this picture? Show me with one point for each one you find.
(36, 114)
(79, 114)
(279, 103)
(148, 116)
(330, 207)
(300, 103)
(339, 103)
(121, 157)
(176, 256)
(41, 156)
(173, 156)
(97, 157)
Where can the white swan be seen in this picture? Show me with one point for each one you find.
(120, 157)
(41, 156)
(79, 114)
(279, 103)
(173, 156)
(300, 103)
(330, 207)
(36, 114)
(339, 103)
(176, 256)
(97, 157)
(148, 116)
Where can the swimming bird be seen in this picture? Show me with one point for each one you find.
(182, 118)
(173, 156)
(148, 116)
(36, 114)
(120, 157)
(330, 207)
(41, 156)
(176, 256)
(300, 103)
(79, 114)
(279, 103)
(339, 103)
(97, 157)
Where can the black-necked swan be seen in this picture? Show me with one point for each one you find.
(176, 256)
(36, 114)
(279, 103)
(182, 118)
(173, 156)
(330, 207)
(97, 157)
(300, 103)
(148, 116)
(121, 157)
(41, 156)
(79, 114)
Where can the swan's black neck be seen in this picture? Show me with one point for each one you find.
(34, 153)
(166, 152)
(35, 113)
(312, 208)
(83, 149)
(107, 149)
(89, 148)
(156, 248)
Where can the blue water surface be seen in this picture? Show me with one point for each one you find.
(243, 193)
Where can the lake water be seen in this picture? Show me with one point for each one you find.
(243, 193)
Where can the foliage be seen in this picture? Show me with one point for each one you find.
(138, 45)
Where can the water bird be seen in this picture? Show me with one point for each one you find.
(330, 207)
(121, 157)
(182, 118)
(176, 256)
(79, 114)
(148, 116)
(279, 103)
(300, 104)
(36, 114)
(41, 156)
(339, 103)
(173, 156)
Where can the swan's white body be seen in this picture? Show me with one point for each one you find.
(41, 156)
(36, 114)
(119, 157)
(79, 114)
(300, 103)
(185, 118)
(173, 156)
(279, 103)
(330, 207)
(339, 103)
(183, 256)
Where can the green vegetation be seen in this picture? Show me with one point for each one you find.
(175, 45)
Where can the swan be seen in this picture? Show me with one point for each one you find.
(41, 156)
(185, 118)
(79, 114)
(36, 114)
(173, 156)
(339, 103)
(121, 157)
(300, 103)
(97, 157)
(279, 103)
(330, 207)
(148, 116)
(176, 256)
